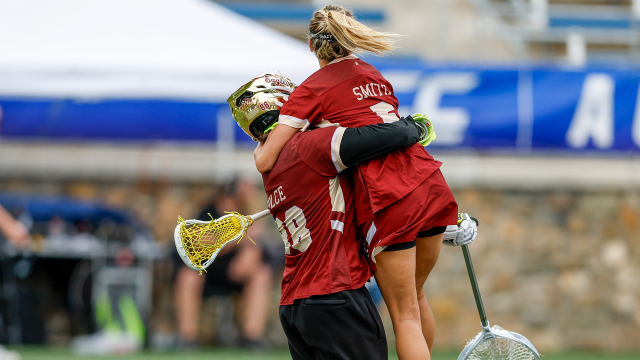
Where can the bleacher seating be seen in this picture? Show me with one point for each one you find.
(605, 29)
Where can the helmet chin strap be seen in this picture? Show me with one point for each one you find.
(271, 127)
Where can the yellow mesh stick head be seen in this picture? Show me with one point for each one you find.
(201, 240)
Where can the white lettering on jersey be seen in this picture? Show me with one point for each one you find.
(356, 93)
(296, 223)
(367, 93)
(379, 86)
(369, 90)
(275, 198)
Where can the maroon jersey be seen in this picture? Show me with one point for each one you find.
(351, 93)
(312, 204)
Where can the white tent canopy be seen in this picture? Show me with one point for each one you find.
(180, 49)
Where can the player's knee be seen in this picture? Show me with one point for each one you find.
(406, 314)
(404, 307)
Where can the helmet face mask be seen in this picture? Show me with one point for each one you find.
(256, 104)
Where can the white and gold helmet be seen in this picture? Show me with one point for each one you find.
(255, 105)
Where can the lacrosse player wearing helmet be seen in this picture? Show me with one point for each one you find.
(404, 205)
(325, 310)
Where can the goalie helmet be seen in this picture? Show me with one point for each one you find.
(255, 106)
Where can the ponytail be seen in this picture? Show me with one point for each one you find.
(335, 33)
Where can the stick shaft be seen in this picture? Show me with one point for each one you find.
(474, 284)
(260, 215)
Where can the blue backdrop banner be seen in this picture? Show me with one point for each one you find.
(483, 108)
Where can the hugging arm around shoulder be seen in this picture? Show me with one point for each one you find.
(266, 155)
(365, 143)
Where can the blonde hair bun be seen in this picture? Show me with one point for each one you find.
(334, 33)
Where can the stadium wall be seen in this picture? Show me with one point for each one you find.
(561, 266)
(559, 263)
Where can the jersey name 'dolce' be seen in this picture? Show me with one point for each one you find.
(312, 204)
(351, 93)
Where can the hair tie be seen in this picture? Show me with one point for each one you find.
(323, 36)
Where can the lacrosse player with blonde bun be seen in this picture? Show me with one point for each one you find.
(403, 204)
(325, 310)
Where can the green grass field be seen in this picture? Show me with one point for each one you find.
(43, 353)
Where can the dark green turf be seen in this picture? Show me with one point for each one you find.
(44, 353)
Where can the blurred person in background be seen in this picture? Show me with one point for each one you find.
(240, 268)
(13, 230)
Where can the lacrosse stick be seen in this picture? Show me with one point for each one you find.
(199, 242)
(493, 343)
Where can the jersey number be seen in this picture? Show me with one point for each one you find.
(384, 110)
(296, 223)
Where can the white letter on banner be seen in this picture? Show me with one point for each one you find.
(594, 114)
(449, 123)
(635, 131)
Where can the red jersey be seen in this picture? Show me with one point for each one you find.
(351, 93)
(312, 204)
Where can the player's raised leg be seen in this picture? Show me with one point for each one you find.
(427, 252)
(395, 275)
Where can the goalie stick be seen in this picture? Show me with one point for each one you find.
(493, 343)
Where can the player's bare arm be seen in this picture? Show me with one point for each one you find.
(265, 155)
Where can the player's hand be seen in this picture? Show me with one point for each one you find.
(428, 133)
(463, 233)
(408, 121)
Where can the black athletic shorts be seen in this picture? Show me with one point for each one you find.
(409, 244)
(342, 326)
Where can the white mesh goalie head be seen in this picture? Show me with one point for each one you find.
(498, 344)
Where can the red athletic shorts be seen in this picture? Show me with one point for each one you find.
(431, 204)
